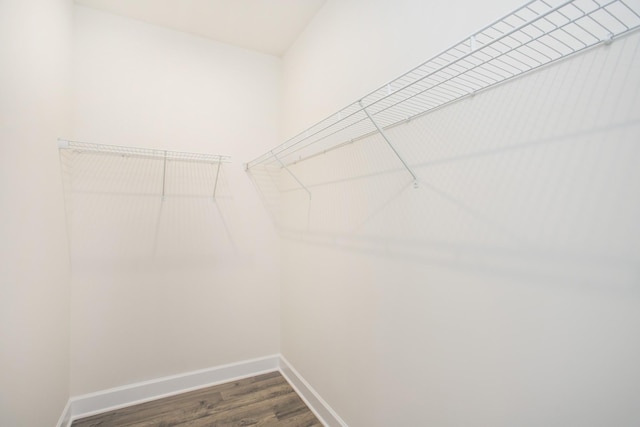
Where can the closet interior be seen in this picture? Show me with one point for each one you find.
(458, 247)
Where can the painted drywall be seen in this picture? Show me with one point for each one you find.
(162, 287)
(505, 290)
(35, 48)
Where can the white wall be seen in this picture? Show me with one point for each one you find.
(505, 290)
(162, 288)
(35, 41)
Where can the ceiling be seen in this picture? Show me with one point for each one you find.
(267, 26)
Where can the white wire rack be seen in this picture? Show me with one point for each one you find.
(163, 156)
(87, 147)
(536, 34)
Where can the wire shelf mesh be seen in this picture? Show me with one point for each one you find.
(87, 147)
(534, 35)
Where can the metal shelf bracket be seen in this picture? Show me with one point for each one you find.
(215, 185)
(164, 174)
(386, 138)
(292, 174)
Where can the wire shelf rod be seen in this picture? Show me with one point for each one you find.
(305, 134)
(500, 55)
(87, 147)
(535, 34)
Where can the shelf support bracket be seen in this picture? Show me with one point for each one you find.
(291, 173)
(215, 184)
(164, 174)
(384, 136)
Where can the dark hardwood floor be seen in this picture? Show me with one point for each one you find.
(264, 400)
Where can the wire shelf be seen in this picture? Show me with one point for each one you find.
(536, 34)
(162, 158)
(87, 147)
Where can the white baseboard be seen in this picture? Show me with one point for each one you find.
(65, 418)
(133, 394)
(317, 404)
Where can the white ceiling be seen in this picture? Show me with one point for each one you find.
(268, 26)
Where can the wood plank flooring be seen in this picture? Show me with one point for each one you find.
(261, 401)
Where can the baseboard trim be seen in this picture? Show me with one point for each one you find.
(65, 418)
(317, 404)
(133, 394)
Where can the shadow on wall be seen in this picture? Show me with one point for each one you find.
(132, 211)
(537, 178)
